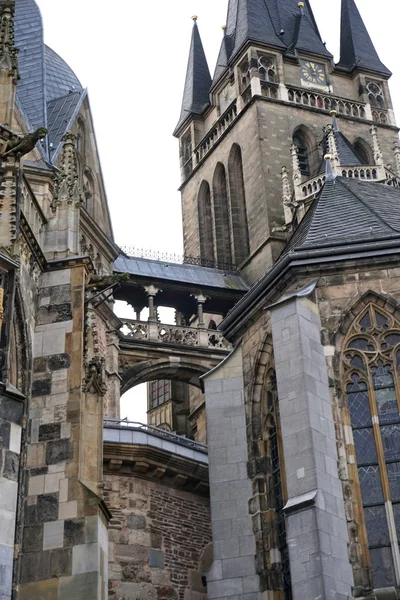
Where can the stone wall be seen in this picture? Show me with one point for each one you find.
(159, 539)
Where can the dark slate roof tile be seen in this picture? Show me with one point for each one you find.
(60, 113)
(183, 273)
(356, 46)
(198, 81)
(60, 78)
(349, 210)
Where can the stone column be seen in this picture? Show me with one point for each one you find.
(151, 294)
(233, 572)
(315, 518)
(201, 300)
(396, 150)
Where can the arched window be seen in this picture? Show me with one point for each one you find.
(302, 153)
(221, 216)
(375, 94)
(205, 223)
(240, 228)
(267, 68)
(88, 189)
(364, 152)
(275, 482)
(371, 371)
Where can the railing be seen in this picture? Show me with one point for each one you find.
(215, 133)
(270, 90)
(327, 102)
(392, 179)
(309, 188)
(173, 334)
(157, 432)
(32, 212)
(179, 259)
(379, 116)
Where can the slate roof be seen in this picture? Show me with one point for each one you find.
(277, 23)
(181, 273)
(60, 115)
(60, 78)
(28, 33)
(198, 81)
(346, 211)
(356, 47)
(46, 81)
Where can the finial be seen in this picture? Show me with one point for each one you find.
(194, 18)
(333, 114)
(329, 174)
(301, 7)
(223, 27)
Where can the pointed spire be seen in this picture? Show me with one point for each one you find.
(332, 146)
(305, 34)
(356, 47)
(198, 80)
(287, 196)
(329, 172)
(396, 150)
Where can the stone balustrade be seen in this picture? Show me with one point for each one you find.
(173, 334)
(269, 89)
(32, 212)
(225, 120)
(309, 188)
(327, 102)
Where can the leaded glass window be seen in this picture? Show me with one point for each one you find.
(372, 382)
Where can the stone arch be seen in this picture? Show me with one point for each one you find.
(151, 370)
(364, 151)
(19, 368)
(240, 229)
(221, 216)
(307, 148)
(206, 232)
(89, 188)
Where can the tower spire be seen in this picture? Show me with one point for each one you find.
(198, 80)
(356, 47)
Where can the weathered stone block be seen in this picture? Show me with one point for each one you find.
(79, 587)
(47, 508)
(53, 535)
(41, 388)
(59, 361)
(40, 364)
(54, 313)
(136, 522)
(50, 431)
(74, 532)
(156, 558)
(11, 465)
(58, 451)
(11, 410)
(33, 538)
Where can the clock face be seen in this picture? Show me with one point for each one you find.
(313, 73)
(225, 97)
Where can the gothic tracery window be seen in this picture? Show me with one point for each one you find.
(375, 94)
(267, 68)
(371, 362)
(302, 153)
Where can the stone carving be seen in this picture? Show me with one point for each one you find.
(216, 340)
(25, 145)
(135, 330)
(8, 51)
(95, 380)
(67, 187)
(178, 335)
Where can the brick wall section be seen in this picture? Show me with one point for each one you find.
(157, 537)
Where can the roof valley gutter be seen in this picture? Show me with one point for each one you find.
(255, 296)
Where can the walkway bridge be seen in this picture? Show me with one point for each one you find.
(151, 350)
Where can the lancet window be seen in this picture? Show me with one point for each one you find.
(276, 495)
(375, 94)
(160, 392)
(371, 362)
(302, 153)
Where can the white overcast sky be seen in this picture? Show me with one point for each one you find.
(132, 55)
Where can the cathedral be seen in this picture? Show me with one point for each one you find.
(269, 468)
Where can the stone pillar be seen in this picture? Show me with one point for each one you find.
(8, 63)
(296, 173)
(315, 517)
(233, 572)
(288, 204)
(11, 413)
(378, 156)
(201, 300)
(65, 543)
(396, 150)
(151, 294)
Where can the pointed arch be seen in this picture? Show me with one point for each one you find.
(206, 232)
(364, 151)
(240, 229)
(221, 215)
(370, 383)
(307, 149)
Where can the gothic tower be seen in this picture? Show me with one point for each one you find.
(267, 108)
